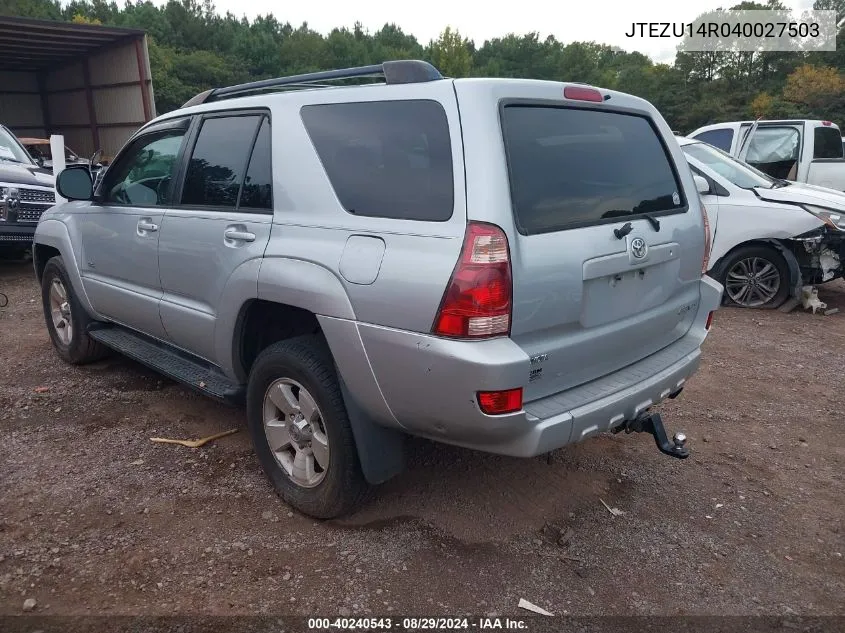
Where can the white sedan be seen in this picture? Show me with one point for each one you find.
(769, 237)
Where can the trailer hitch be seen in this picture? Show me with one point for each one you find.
(652, 423)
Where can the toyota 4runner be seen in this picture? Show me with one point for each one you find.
(506, 265)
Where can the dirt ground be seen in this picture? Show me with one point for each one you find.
(96, 519)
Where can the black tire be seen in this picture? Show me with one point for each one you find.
(307, 361)
(760, 256)
(81, 348)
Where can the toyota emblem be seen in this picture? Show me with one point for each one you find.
(638, 247)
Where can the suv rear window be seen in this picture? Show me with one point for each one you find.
(386, 159)
(827, 143)
(572, 167)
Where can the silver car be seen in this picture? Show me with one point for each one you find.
(501, 264)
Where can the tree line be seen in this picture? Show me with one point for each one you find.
(193, 48)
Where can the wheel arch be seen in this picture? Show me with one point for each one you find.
(379, 443)
(296, 298)
(51, 239)
(795, 281)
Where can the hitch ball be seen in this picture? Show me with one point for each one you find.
(680, 440)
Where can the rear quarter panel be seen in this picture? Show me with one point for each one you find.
(827, 173)
(390, 272)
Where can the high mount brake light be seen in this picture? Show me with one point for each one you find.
(581, 93)
(478, 299)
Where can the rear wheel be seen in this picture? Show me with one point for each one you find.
(756, 277)
(300, 428)
(67, 321)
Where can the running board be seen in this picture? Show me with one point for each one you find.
(175, 364)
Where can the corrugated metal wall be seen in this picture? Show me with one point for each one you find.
(96, 103)
(20, 107)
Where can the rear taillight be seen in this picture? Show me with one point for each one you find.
(477, 302)
(500, 402)
(709, 321)
(705, 264)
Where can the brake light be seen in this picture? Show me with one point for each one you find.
(827, 123)
(580, 93)
(500, 402)
(705, 264)
(477, 301)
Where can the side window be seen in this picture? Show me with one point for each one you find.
(717, 138)
(219, 160)
(827, 143)
(258, 185)
(144, 173)
(386, 159)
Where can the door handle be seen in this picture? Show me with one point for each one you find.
(240, 236)
(144, 225)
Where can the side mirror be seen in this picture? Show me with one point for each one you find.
(75, 184)
(701, 184)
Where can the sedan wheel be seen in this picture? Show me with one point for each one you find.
(753, 282)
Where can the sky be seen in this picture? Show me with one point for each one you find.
(602, 21)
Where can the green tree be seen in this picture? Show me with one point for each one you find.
(451, 53)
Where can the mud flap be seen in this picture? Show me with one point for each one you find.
(381, 450)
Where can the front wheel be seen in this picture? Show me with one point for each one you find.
(301, 431)
(756, 277)
(66, 319)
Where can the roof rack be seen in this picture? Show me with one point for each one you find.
(400, 71)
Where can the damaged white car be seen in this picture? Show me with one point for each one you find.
(770, 237)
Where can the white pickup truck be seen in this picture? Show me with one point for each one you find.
(801, 151)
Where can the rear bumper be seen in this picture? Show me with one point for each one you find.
(429, 385)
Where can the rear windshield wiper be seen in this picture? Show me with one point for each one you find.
(655, 223)
(615, 213)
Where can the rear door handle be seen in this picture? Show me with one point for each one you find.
(240, 236)
(144, 225)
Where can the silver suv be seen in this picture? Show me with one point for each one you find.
(501, 264)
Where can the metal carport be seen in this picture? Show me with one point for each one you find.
(87, 82)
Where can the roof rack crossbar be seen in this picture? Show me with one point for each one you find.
(402, 71)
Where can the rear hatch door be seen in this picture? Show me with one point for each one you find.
(605, 231)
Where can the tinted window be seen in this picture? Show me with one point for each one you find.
(258, 186)
(571, 167)
(828, 143)
(388, 159)
(144, 174)
(717, 138)
(218, 162)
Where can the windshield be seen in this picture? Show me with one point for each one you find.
(11, 150)
(728, 167)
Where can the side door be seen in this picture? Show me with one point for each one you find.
(220, 223)
(120, 233)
